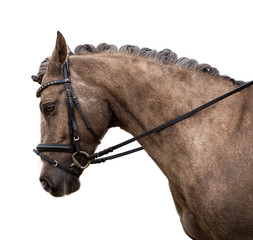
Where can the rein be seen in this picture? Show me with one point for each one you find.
(94, 158)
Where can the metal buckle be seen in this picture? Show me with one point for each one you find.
(76, 139)
(76, 163)
(55, 163)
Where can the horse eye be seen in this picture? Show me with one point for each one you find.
(49, 108)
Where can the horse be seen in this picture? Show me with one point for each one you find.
(207, 158)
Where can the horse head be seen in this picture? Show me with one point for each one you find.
(62, 125)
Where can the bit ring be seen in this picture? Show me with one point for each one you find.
(76, 163)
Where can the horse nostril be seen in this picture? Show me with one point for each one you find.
(45, 185)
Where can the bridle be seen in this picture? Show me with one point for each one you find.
(74, 146)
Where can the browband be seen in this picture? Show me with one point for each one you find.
(51, 83)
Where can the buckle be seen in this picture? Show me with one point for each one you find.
(76, 139)
(55, 163)
(76, 163)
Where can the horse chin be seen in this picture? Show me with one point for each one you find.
(71, 185)
(57, 188)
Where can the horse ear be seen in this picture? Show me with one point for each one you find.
(60, 52)
(36, 79)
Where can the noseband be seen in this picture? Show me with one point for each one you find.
(74, 146)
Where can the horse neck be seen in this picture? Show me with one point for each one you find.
(146, 92)
(143, 94)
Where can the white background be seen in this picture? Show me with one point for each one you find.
(127, 198)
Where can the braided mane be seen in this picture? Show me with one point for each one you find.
(165, 56)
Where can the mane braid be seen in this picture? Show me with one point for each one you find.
(165, 56)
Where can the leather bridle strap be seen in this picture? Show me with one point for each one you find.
(76, 102)
(55, 163)
(51, 83)
(67, 148)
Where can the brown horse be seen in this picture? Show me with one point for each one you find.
(207, 158)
